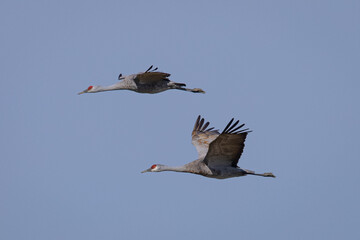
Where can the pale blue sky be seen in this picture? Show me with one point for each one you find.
(70, 165)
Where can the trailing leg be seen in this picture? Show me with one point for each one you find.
(181, 86)
(194, 90)
(260, 174)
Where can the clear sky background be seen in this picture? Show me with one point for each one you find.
(70, 165)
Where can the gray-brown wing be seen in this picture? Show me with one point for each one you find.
(151, 77)
(227, 148)
(203, 136)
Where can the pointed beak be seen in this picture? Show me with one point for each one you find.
(82, 92)
(147, 170)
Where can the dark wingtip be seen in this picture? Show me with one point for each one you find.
(201, 123)
(232, 129)
(205, 126)
(197, 123)
(228, 125)
(149, 68)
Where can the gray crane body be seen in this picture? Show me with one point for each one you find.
(219, 153)
(143, 82)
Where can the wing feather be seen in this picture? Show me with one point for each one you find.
(230, 128)
(202, 137)
(228, 125)
(151, 77)
(205, 126)
(149, 68)
(227, 148)
(234, 130)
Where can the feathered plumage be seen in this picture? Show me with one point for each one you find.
(150, 81)
(218, 153)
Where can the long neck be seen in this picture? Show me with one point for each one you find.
(116, 86)
(174, 169)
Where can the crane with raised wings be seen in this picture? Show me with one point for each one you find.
(150, 81)
(219, 153)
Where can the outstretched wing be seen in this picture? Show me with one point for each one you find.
(227, 148)
(151, 77)
(202, 137)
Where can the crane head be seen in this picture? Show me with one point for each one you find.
(153, 168)
(89, 89)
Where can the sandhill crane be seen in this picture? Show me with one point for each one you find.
(219, 153)
(149, 81)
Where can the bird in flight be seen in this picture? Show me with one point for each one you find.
(150, 81)
(219, 153)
